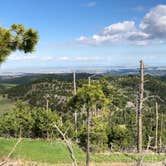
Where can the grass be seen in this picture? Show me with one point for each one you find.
(127, 158)
(7, 85)
(56, 152)
(40, 150)
(5, 105)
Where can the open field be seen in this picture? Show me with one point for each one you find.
(41, 151)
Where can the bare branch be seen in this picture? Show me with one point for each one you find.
(11, 152)
(153, 96)
(68, 144)
(66, 130)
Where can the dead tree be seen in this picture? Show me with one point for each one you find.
(75, 92)
(149, 143)
(156, 132)
(140, 106)
(140, 159)
(68, 144)
(161, 131)
(74, 83)
(46, 97)
(75, 122)
(88, 139)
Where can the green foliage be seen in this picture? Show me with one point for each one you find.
(119, 137)
(99, 139)
(17, 37)
(44, 123)
(92, 98)
(5, 39)
(17, 122)
(5, 105)
(89, 96)
(26, 122)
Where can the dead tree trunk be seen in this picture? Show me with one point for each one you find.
(74, 83)
(156, 133)
(140, 106)
(47, 107)
(75, 122)
(46, 97)
(161, 131)
(68, 144)
(89, 81)
(75, 92)
(140, 159)
(88, 139)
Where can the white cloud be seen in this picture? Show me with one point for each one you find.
(48, 58)
(152, 29)
(154, 22)
(21, 57)
(64, 58)
(116, 33)
(120, 27)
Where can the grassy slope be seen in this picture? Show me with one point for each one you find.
(42, 151)
(5, 105)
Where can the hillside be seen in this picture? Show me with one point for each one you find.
(113, 103)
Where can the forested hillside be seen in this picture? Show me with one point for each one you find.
(113, 102)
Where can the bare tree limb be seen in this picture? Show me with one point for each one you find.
(11, 152)
(153, 96)
(68, 144)
(66, 130)
(140, 160)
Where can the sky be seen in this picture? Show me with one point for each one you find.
(85, 33)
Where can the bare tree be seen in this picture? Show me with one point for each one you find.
(74, 83)
(140, 106)
(156, 133)
(46, 97)
(161, 131)
(88, 139)
(141, 158)
(68, 144)
(75, 113)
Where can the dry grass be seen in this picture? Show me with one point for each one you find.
(26, 163)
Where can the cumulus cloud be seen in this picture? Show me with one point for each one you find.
(116, 33)
(151, 29)
(154, 22)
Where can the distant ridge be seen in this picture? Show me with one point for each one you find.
(116, 70)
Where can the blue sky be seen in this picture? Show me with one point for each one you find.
(78, 33)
